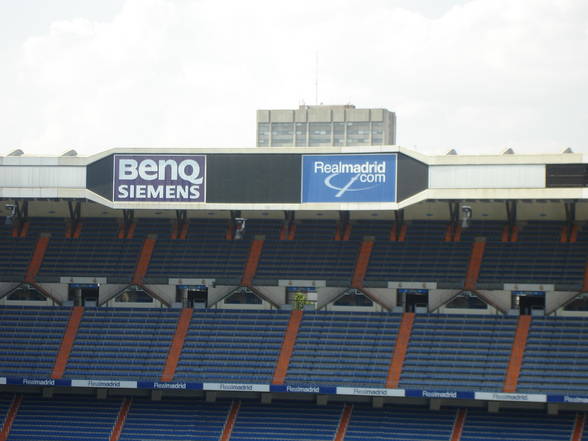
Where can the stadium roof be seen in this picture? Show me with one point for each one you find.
(368, 181)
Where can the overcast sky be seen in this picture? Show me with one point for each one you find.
(475, 75)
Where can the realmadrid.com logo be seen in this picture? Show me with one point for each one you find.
(345, 177)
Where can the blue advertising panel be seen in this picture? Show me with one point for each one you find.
(577, 399)
(35, 381)
(349, 178)
(159, 178)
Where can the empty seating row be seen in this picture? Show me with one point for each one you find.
(85, 418)
(341, 349)
(207, 258)
(442, 262)
(30, 338)
(306, 229)
(556, 356)
(458, 352)
(399, 424)
(15, 254)
(5, 403)
(97, 253)
(64, 419)
(517, 425)
(174, 419)
(286, 422)
(123, 343)
(333, 261)
(445, 351)
(232, 346)
(534, 262)
(537, 257)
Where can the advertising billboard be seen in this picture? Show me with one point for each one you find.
(159, 178)
(253, 178)
(349, 178)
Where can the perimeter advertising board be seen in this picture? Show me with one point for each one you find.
(159, 178)
(349, 178)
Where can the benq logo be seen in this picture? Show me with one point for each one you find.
(149, 170)
(349, 178)
(177, 178)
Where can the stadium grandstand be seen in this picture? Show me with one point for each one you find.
(282, 294)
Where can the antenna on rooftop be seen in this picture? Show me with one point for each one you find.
(316, 60)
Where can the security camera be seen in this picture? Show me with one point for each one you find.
(11, 214)
(11, 209)
(239, 227)
(466, 212)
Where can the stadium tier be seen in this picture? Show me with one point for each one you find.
(174, 419)
(5, 402)
(15, 254)
(205, 254)
(99, 253)
(122, 343)
(288, 295)
(458, 352)
(445, 352)
(30, 339)
(516, 425)
(77, 418)
(537, 257)
(556, 356)
(399, 423)
(424, 256)
(66, 418)
(232, 346)
(343, 349)
(286, 421)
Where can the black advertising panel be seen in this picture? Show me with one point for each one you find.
(566, 175)
(253, 178)
(99, 177)
(249, 178)
(413, 177)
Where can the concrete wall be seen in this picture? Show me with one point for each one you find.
(46, 302)
(154, 304)
(385, 296)
(166, 292)
(487, 176)
(263, 306)
(58, 290)
(276, 294)
(502, 299)
(41, 177)
(556, 299)
(217, 292)
(107, 291)
(327, 294)
(6, 287)
(438, 297)
(374, 308)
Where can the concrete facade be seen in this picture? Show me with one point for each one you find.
(322, 126)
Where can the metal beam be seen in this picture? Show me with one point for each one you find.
(570, 208)
(453, 212)
(511, 212)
